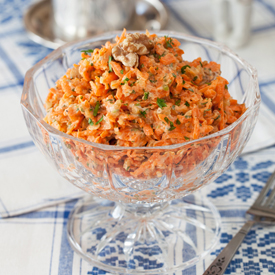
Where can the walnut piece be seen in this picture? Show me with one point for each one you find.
(126, 58)
(137, 43)
(209, 76)
(132, 46)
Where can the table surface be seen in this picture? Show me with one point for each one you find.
(36, 243)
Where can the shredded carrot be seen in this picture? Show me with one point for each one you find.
(164, 100)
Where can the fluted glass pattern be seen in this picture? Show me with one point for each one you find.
(163, 173)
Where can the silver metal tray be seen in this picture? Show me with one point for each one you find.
(39, 23)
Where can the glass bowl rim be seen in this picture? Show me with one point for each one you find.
(219, 46)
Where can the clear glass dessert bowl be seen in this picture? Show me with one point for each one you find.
(144, 219)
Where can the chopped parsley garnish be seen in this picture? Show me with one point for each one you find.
(172, 127)
(187, 116)
(99, 121)
(161, 103)
(109, 62)
(208, 83)
(165, 88)
(90, 122)
(217, 117)
(133, 92)
(183, 82)
(142, 113)
(97, 105)
(121, 71)
(191, 90)
(178, 102)
(146, 94)
(195, 78)
(174, 75)
(87, 51)
(177, 121)
(183, 68)
(73, 89)
(126, 79)
(92, 64)
(153, 80)
(168, 42)
(159, 56)
(187, 104)
(142, 65)
(122, 83)
(187, 138)
(226, 87)
(201, 64)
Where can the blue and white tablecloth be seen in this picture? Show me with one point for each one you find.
(34, 241)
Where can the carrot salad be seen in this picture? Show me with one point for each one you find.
(139, 91)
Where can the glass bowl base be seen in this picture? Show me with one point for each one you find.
(144, 238)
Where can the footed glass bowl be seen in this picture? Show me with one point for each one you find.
(141, 215)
